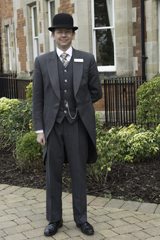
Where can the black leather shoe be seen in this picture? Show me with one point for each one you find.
(86, 228)
(52, 228)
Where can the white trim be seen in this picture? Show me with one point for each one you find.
(103, 28)
(51, 40)
(103, 68)
(9, 48)
(106, 68)
(93, 32)
(34, 37)
(114, 38)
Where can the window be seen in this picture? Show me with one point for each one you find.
(35, 32)
(8, 49)
(51, 13)
(104, 34)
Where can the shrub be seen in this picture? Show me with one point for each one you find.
(15, 119)
(7, 104)
(157, 135)
(6, 107)
(29, 91)
(28, 152)
(123, 144)
(148, 96)
(143, 146)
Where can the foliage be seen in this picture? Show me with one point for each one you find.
(143, 146)
(15, 119)
(28, 152)
(94, 170)
(7, 104)
(157, 135)
(29, 91)
(148, 96)
(123, 144)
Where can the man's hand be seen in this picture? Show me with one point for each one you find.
(41, 138)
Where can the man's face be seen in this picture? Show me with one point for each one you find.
(63, 38)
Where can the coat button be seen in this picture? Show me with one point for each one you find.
(65, 91)
(65, 80)
(65, 111)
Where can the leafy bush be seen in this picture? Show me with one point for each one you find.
(29, 91)
(124, 144)
(99, 170)
(28, 152)
(142, 145)
(15, 119)
(148, 96)
(157, 135)
(7, 104)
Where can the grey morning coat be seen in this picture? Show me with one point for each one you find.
(46, 94)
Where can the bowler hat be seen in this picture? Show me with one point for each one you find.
(62, 20)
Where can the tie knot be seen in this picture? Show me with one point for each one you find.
(64, 55)
(64, 59)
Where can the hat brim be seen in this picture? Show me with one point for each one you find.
(59, 27)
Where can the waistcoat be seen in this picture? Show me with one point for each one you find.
(66, 92)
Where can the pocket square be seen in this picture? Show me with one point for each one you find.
(78, 60)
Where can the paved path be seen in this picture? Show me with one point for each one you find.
(22, 216)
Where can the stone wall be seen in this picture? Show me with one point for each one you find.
(123, 37)
(152, 47)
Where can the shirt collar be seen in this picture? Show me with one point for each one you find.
(68, 51)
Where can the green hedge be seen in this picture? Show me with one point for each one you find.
(15, 119)
(28, 152)
(124, 144)
(148, 96)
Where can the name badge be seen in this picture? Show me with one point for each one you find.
(78, 60)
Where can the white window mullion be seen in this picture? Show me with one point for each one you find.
(114, 37)
(51, 12)
(9, 48)
(35, 32)
(93, 31)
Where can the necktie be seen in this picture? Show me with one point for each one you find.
(64, 59)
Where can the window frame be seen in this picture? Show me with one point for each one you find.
(9, 53)
(109, 68)
(51, 40)
(35, 39)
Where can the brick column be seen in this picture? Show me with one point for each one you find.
(21, 40)
(66, 6)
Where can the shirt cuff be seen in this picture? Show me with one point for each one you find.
(39, 131)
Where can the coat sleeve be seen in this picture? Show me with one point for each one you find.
(94, 84)
(37, 111)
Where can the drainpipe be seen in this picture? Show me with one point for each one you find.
(143, 58)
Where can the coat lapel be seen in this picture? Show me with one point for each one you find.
(77, 71)
(53, 73)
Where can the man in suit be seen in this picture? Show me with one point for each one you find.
(65, 86)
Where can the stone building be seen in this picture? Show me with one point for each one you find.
(124, 35)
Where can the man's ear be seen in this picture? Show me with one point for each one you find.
(74, 35)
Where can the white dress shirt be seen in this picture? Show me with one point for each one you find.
(69, 52)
